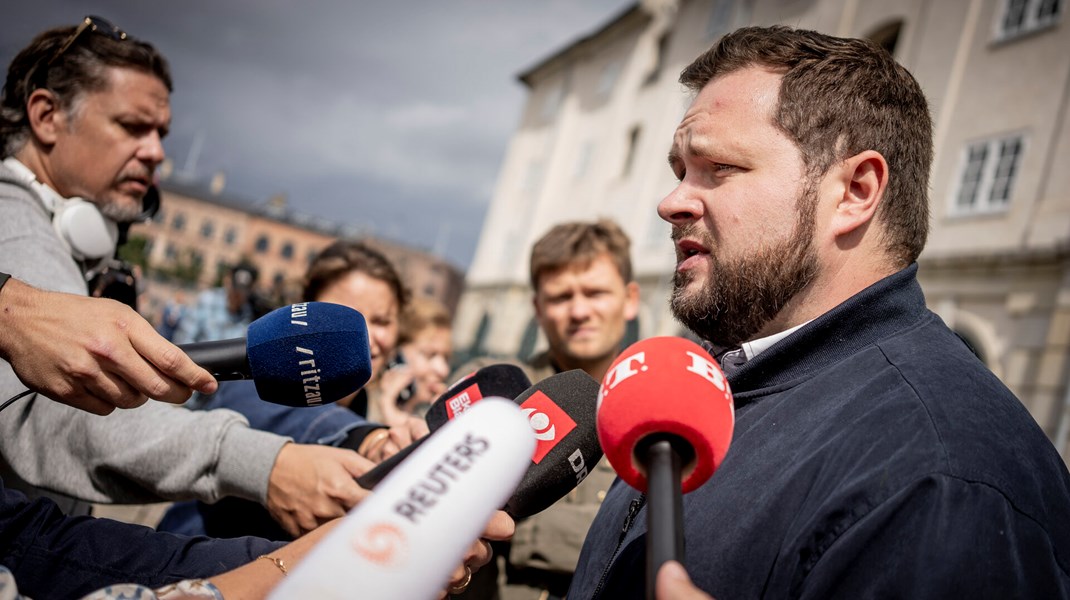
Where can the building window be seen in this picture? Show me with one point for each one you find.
(633, 145)
(989, 168)
(170, 253)
(262, 244)
(311, 255)
(659, 60)
(608, 79)
(551, 102)
(720, 20)
(207, 229)
(179, 223)
(1022, 16)
(287, 251)
(532, 181)
(528, 340)
(887, 37)
(230, 236)
(583, 161)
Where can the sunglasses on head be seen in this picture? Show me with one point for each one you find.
(91, 23)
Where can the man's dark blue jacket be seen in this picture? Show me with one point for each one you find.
(874, 456)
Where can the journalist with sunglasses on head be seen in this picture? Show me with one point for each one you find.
(82, 115)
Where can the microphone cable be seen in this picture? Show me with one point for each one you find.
(14, 398)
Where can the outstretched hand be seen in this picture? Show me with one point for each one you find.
(91, 353)
(311, 484)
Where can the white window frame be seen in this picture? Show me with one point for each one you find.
(1032, 21)
(993, 168)
(583, 160)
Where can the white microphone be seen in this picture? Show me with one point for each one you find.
(405, 539)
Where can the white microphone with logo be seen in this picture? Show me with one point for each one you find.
(404, 540)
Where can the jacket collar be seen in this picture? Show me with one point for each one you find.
(877, 312)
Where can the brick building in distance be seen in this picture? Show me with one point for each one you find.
(199, 233)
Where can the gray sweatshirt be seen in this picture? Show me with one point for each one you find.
(151, 453)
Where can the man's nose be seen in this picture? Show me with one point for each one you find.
(580, 307)
(151, 150)
(682, 205)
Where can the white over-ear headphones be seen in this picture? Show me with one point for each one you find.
(84, 231)
(87, 233)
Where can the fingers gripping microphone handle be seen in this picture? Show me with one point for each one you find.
(226, 360)
(370, 479)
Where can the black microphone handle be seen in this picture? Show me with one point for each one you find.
(226, 360)
(661, 456)
(370, 479)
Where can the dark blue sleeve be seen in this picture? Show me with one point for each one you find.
(56, 556)
(326, 424)
(942, 538)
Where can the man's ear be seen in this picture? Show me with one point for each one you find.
(864, 177)
(631, 301)
(45, 116)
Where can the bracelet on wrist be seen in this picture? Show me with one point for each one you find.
(276, 561)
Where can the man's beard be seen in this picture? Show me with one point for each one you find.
(121, 208)
(121, 212)
(743, 295)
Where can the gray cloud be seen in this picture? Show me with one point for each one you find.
(392, 116)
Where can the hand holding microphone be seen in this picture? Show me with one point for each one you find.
(561, 413)
(503, 381)
(91, 353)
(305, 354)
(665, 419)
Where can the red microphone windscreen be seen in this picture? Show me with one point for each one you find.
(665, 385)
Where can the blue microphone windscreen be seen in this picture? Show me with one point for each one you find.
(308, 354)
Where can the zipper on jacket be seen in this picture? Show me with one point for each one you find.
(633, 511)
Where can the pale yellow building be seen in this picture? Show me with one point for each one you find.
(599, 120)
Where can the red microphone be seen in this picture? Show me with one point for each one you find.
(665, 419)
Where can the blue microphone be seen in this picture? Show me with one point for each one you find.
(304, 354)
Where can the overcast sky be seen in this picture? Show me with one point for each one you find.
(388, 115)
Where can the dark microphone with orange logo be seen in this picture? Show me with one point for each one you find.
(561, 411)
(665, 419)
(501, 380)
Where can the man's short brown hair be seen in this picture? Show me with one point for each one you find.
(839, 97)
(578, 244)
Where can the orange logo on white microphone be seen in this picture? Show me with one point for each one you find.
(382, 543)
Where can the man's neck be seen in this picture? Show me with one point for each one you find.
(31, 157)
(595, 368)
